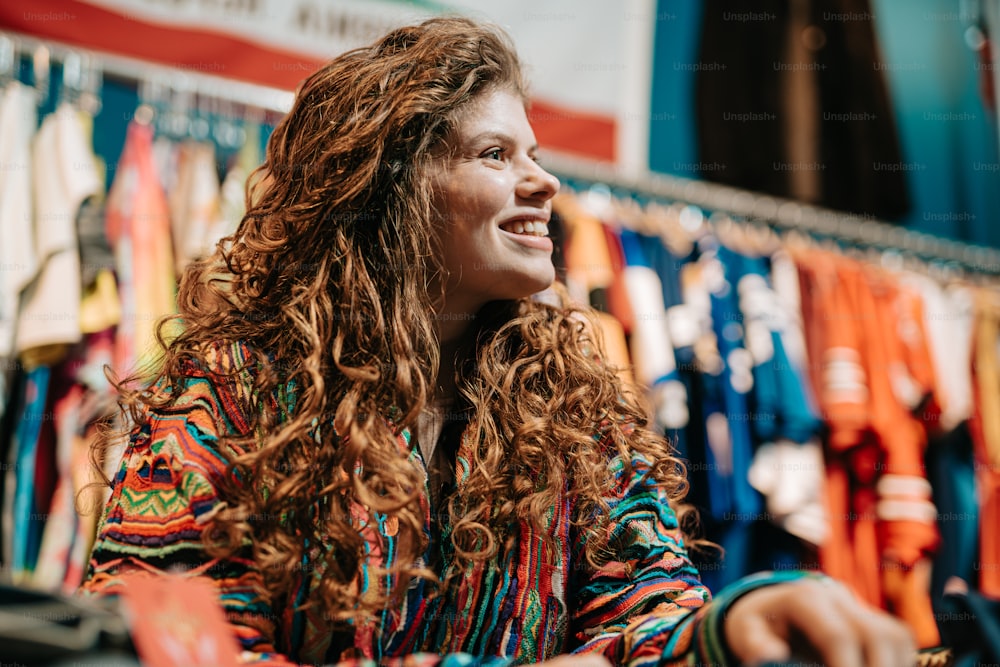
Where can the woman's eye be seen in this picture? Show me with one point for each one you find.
(495, 154)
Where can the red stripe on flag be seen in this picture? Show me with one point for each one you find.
(76, 23)
(189, 49)
(571, 131)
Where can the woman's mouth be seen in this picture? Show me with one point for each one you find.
(526, 227)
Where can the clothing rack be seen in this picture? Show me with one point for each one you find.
(779, 212)
(712, 197)
(134, 69)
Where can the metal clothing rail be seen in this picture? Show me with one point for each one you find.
(783, 213)
(712, 197)
(134, 69)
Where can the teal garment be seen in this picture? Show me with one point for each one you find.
(28, 522)
(781, 408)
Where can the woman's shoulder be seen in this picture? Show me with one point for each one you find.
(218, 378)
(222, 358)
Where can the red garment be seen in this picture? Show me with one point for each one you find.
(833, 334)
(619, 304)
(907, 519)
(871, 368)
(138, 227)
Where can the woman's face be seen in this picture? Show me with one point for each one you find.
(494, 202)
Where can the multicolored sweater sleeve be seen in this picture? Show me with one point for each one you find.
(163, 497)
(648, 605)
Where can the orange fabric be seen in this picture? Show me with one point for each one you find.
(137, 224)
(906, 589)
(870, 368)
(834, 347)
(901, 435)
(904, 542)
(859, 314)
(615, 347)
(985, 429)
(588, 260)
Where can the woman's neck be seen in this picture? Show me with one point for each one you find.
(445, 390)
(454, 327)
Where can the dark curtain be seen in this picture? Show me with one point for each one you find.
(743, 118)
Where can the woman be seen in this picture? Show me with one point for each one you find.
(377, 443)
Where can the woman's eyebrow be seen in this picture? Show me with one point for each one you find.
(499, 137)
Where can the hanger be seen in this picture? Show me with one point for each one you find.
(765, 239)
(148, 111)
(679, 227)
(725, 229)
(596, 201)
(625, 212)
(649, 219)
(227, 130)
(91, 83)
(8, 61)
(199, 118)
(796, 240)
(174, 114)
(691, 222)
(42, 70)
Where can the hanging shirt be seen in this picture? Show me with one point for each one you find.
(737, 379)
(61, 527)
(834, 339)
(906, 515)
(619, 302)
(138, 226)
(588, 260)
(785, 281)
(18, 119)
(64, 175)
(732, 504)
(195, 216)
(232, 202)
(682, 324)
(710, 451)
(26, 516)
(779, 386)
(985, 429)
(901, 380)
(948, 319)
(652, 351)
(788, 463)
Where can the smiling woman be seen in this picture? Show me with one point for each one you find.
(378, 444)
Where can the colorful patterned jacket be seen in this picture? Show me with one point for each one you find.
(647, 606)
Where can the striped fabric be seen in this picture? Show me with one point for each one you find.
(647, 606)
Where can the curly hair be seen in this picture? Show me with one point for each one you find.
(329, 279)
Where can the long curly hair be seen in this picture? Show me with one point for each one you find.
(332, 279)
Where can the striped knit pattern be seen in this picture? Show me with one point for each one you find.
(647, 606)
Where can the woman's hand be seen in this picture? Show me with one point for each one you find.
(815, 620)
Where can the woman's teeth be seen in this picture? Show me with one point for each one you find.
(533, 228)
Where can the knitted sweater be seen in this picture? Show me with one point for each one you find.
(645, 604)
